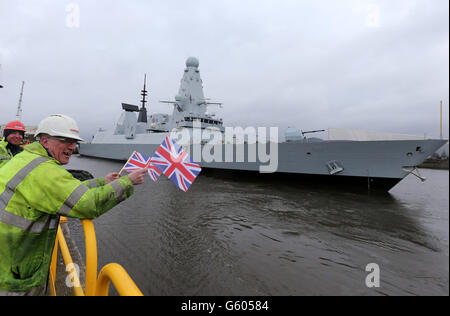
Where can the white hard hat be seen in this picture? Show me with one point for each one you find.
(59, 125)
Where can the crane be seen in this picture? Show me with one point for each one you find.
(19, 106)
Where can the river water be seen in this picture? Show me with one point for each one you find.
(241, 236)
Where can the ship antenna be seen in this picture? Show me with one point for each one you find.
(143, 111)
(144, 92)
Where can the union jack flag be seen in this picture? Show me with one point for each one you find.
(176, 164)
(139, 161)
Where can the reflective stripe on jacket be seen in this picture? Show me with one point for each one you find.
(5, 153)
(34, 191)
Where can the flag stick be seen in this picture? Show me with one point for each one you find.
(121, 170)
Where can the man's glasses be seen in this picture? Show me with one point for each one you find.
(68, 141)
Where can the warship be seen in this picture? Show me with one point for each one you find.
(373, 164)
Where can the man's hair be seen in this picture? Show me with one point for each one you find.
(41, 136)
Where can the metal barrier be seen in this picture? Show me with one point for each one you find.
(116, 273)
(94, 286)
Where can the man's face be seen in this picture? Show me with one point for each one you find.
(60, 148)
(15, 138)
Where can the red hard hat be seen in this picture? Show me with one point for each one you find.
(15, 126)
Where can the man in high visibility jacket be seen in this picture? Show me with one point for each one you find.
(34, 191)
(13, 134)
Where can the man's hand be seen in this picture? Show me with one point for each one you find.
(112, 177)
(137, 177)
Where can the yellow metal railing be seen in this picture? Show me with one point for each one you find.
(94, 286)
(116, 273)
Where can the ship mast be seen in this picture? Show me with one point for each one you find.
(19, 106)
(143, 111)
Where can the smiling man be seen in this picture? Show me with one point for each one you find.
(59, 136)
(35, 190)
(12, 139)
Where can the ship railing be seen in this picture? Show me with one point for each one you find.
(94, 285)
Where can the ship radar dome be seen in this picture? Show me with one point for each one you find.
(192, 62)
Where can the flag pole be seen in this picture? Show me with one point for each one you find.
(121, 170)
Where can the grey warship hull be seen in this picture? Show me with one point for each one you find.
(368, 164)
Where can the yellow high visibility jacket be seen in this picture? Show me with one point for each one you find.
(34, 191)
(5, 153)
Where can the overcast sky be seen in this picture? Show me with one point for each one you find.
(313, 64)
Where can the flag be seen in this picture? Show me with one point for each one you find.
(176, 164)
(139, 161)
(153, 172)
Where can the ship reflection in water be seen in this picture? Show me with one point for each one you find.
(240, 236)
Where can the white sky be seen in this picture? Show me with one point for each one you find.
(380, 65)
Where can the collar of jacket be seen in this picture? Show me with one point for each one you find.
(4, 144)
(38, 149)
